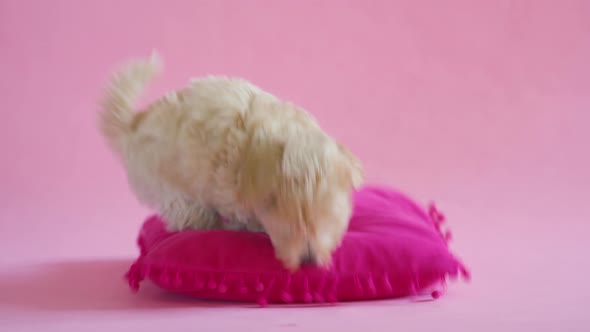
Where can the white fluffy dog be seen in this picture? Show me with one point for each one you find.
(223, 149)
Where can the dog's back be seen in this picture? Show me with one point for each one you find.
(186, 144)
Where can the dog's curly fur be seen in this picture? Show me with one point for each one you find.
(223, 147)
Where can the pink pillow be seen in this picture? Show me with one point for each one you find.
(393, 248)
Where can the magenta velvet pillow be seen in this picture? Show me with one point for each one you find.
(393, 248)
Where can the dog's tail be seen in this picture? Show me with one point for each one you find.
(118, 103)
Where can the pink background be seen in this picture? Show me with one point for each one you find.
(482, 106)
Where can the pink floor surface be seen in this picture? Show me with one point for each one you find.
(482, 106)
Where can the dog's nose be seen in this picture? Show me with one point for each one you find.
(309, 259)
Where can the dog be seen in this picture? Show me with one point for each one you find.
(222, 149)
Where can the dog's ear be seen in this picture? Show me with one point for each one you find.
(303, 166)
(260, 169)
(353, 167)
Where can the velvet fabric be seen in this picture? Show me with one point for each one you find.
(393, 248)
